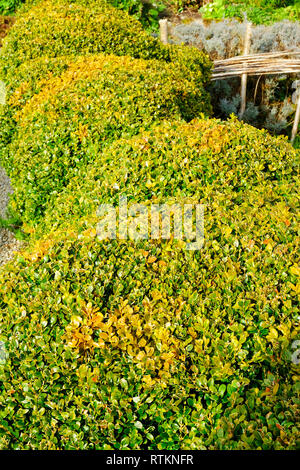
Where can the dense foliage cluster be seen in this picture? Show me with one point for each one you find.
(147, 12)
(123, 344)
(179, 5)
(9, 6)
(61, 27)
(256, 11)
(132, 333)
(94, 101)
(78, 27)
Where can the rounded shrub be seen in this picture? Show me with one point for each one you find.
(231, 156)
(123, 344)
(65, 27)
(75, 114)
(32, 75)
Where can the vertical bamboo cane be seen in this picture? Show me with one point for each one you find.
(296, 122)
(244, 76)
(163, 28)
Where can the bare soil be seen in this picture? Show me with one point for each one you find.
(5, 23)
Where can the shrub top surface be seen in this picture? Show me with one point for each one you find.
(107, 339)
(94, 101)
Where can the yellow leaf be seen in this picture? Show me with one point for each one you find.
(76, 320)
(148, 380)
(142, 343)
(156, 295)
(103, 336)
(114, 340)
(162, 263)
(295, 270)
(140, 355)
(149, 351)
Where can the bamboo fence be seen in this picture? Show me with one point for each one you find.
(269, 63)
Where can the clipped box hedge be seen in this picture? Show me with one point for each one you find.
(55, 28)
(227, 158)
(140, 345)
(174, 87)
(145, 345)
(65, 27)
(94, 101)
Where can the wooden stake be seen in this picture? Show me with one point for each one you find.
(296, 122)
(256, 88)
(163, 27)
(244, 75)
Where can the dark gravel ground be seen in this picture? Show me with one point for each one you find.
(8, 242)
